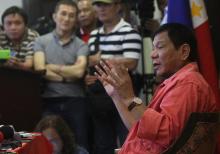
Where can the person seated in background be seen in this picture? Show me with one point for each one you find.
(58, 133)
(87, 19)
(17, 37)
(183, 91)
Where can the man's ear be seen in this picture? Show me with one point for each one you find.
(185, 50)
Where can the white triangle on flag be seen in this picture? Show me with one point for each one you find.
(198, 12)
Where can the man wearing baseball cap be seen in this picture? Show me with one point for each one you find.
(118, 42)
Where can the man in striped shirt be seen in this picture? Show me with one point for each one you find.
(17, 37)
(117, 41)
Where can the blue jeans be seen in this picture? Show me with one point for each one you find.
(74, 111)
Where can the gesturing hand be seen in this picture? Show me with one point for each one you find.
(116, 81)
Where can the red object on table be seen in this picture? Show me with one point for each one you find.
(37, 145)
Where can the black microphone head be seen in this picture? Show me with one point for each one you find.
(7, 131)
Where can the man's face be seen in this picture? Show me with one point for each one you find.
(14, 26)
(65, 18)
(107, 12)
(86, 16)
(166, 58)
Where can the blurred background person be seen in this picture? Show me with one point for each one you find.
(87, 19)
(17, 37)
(55, 129)
(64, 57)
(117, 41)
(145, 13)
(163, 7)
(128, 14)
(162, 4)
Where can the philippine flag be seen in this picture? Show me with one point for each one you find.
(193, 14)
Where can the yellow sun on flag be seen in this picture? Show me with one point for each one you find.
(196, 9)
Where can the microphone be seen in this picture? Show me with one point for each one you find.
(6, 132)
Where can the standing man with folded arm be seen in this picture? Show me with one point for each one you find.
(118, 42)
(64, 57)
(155, 127)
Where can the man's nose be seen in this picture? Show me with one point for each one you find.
(13, 26)
(82, 14)
(153, 54)
(67, 17)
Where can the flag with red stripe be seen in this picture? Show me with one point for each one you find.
(193, 14)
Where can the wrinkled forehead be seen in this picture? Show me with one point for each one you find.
(161, 37)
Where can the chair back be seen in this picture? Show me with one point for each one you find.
(199, 135)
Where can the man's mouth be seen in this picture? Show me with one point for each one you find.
(155, 66)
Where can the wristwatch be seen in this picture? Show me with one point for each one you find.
(135, 102)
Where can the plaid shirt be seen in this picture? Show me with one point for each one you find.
(22, 50)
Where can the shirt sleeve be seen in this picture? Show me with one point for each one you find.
(30, 51)
(83, 50)
(38, 45)
(165, 124)
(132, 45)
(32, 35)
(92, 42)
